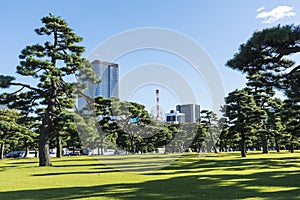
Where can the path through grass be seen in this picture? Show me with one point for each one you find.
(215, 176)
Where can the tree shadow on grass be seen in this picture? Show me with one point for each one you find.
(77, 173)
(183, 187)
(213, 163)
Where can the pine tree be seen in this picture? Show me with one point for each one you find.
(209, 121)
(262, 94)
(49, 64)
(198, 142)
(244, 116)
(266, 60)
(291, 123)
(132, 121)
(274, 124)
(106, 120)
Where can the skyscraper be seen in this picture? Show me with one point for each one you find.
(108, 73)
(109, 76)
(191, 111)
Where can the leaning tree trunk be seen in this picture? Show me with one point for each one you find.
(26, 151)
(2, 150)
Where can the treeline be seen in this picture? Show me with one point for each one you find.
(247, 124)
(126, 125)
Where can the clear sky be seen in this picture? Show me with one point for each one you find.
(219, 27)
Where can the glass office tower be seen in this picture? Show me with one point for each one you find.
(108, 73)
(109, 76)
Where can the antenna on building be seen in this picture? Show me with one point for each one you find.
(157, 104)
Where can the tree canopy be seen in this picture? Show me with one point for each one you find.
(266, 55)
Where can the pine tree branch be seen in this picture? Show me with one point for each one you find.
(59, 105)
(279, 78)
(17, 91)
(89, 99)
(297, 68)
(26, 86)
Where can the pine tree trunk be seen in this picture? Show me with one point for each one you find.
(101, 145)
(277, 145)
(44, 157)
(58, 146)
(265, 144)
(292, 148)
(2, 150)
(215, 149)
(132, 144)
(208, 147)
(26, 152)
(212, 142)
(243, 146)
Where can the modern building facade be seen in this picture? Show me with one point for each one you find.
(108, 73)
(109, 76)
(175, 117)
(191, 111)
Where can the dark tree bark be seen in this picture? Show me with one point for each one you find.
(58, 146)
(26, 152)
(44, 156)
(243, 146)
(264, 139)
(277, 145)
(292, 148)
(101, 145)
(2, 150)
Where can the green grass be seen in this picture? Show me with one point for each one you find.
(215, 176)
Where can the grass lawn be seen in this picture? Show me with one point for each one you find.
(215, 176)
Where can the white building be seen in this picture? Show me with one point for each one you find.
(175, 117)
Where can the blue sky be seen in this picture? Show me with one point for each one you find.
(219, 27)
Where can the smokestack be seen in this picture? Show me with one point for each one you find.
(157, 104)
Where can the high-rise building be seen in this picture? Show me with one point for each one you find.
(191, 111)
(108, 73)
(109, 76)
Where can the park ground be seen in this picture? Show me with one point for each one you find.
(190, 176)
